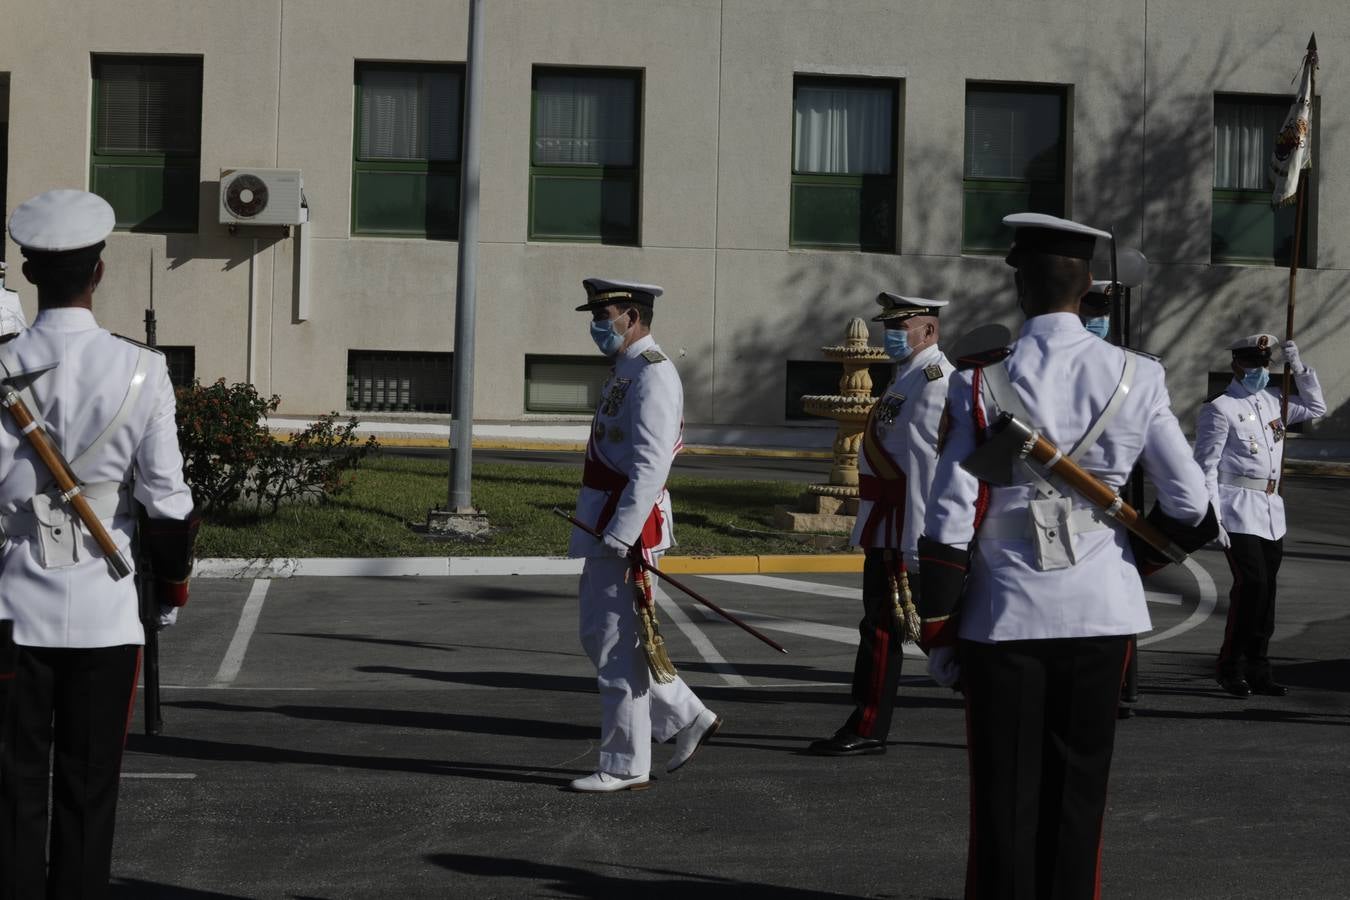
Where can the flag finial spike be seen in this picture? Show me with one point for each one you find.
(1312, 42)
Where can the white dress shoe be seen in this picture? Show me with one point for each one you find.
(694, 735)
(605, 783)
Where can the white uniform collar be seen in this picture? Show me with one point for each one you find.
(645, 342)
(65, 318)
(1049, 322)
(924, 357)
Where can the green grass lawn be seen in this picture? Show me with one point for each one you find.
(389, 495)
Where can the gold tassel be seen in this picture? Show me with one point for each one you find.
(907, 623)
(653, 645)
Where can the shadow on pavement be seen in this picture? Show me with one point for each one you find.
(570, 881)
(405, 718)
(220, 751)
(136, 889)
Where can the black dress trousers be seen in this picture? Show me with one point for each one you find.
(72, 706)
(1041, 720)
(1255, 563)
(876, 670)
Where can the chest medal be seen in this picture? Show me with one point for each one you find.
(1277, 430)
(888, 407)
(613, 398)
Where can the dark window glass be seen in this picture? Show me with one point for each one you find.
(399, 381)
(822, 377)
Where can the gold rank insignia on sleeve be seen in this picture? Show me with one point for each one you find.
(653, 356)
(933, 372)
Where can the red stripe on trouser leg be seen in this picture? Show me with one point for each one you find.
(879, 648)
(131, 704)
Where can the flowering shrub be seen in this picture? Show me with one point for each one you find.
(230, 458)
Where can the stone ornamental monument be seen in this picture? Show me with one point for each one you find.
(832, 507)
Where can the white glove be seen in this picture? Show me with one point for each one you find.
(613, 543)
(943, 667)
(1223, 540)
(1291, 356)
(168, 615)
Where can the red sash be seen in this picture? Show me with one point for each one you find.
(600, 476)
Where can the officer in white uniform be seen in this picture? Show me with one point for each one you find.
(1239, 442)
(895, 472)
(108, 406)
(635, 435)
(1053, 592)
(12, 319)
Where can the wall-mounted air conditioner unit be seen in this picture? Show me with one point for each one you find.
(262, 197)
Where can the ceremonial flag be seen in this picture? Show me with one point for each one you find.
(1293, 145)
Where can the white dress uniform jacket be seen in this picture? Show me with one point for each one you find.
(636, 432)
(82, 377)
(1065, 377)
(906, 424)
(1239, 442)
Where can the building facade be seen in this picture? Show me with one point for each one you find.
(772, 163)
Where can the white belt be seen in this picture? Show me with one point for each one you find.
(47, 518)
(1017, 526)
(1264, 485)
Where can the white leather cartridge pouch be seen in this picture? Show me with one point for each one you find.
(1051, 532)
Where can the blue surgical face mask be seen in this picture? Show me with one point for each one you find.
(1255, 380)
(606, 338)
(896, 343)
(1098, 325)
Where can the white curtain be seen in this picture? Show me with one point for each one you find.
(409, 115)
(843, 131)
(584, 120)
(1243, 140)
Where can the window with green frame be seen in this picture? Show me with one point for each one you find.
(145, 158)
(844, 192)
(406, 152)
(1014, 160)
(585, 172)
(564, 384)
(1245, 228)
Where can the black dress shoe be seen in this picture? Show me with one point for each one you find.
(1124, 712)
(1235, 685)
(1268, 687)
(846, 743)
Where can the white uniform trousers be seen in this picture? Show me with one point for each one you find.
(634, 710)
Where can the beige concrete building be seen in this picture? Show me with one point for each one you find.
(772, 163)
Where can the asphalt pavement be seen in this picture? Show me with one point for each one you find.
(412, 738)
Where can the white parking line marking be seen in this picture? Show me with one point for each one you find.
(700, 640)
(165, 776)
(792, 584)
(248, 620)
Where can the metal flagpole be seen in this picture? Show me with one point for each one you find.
(461, 422)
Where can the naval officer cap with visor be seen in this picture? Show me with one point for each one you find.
(1040, 234)
(61, 233)
(1254, 350)
(895, 306)
(601, 292)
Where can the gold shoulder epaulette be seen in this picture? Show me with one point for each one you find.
(137, 343)
(653, 356)
(933, 372)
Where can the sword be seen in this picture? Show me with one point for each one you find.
(1013, 439)
(688, 590)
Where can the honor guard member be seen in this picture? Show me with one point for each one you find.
(634, 437)
(1029, 595)
(895, 471)
(107, 405)
(12, 320)
(1239, 442)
